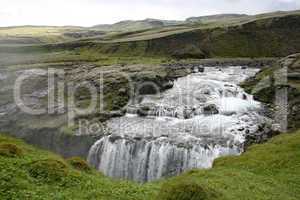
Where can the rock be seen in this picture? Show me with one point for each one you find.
(143, 111)
(201, 99)
(116, 113)
(261, 127)
(148, 89)
(184, 145)
(210, 109)
(138, 137)
(187, 113)
(195, 69)
(241, 129)
(168, 85)
(122, 91)
(201, 69)
(296, 109)
(206, 91)
(229, 113)
(114, 138)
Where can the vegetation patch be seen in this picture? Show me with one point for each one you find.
(10, 150)
(79, 164)
(186, 190)
(49, 170)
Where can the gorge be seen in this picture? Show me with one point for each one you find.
(205, 108)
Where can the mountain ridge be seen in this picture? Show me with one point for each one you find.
(150, 28)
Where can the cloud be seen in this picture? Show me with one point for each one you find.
(90, 12)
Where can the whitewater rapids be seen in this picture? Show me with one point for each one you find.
(204, 116)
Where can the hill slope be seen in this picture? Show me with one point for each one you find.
(124, 30)
(268, 171)
(215, 18)
(131, 25)
(267, 37)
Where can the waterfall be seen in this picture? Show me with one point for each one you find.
(204, 116)
(142, 160)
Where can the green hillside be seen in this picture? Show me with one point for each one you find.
(267, 171)
(276, 36)
(267, 37)
(125, 30)
(216, 18)
(131, 25)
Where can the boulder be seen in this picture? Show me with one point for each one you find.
(114, 138)
(201, 69)
(210, 109)
(143, 111)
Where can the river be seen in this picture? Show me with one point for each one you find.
(205, 115)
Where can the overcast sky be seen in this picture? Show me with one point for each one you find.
(92, 12)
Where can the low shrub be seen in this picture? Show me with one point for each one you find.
(49, 170)
(79, 164)
(185, 190)
(10, 150)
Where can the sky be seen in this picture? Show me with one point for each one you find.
(92, 12)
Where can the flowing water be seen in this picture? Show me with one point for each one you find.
(204, 116)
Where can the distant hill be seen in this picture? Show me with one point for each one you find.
(130, 25)
(215, 18)
(269, 35)
(129, 30)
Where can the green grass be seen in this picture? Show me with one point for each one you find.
(266, 171)
(41, 56)
(42, 175)
(43, 34)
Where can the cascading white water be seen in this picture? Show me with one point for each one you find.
(204, 116)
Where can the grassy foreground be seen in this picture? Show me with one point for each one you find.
(267, 171)
(30, 173)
